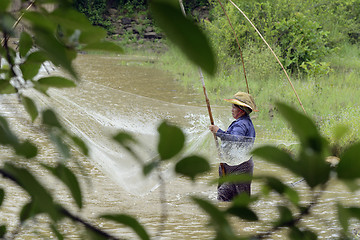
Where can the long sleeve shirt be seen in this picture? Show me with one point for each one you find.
(237, 141)
(242, 126)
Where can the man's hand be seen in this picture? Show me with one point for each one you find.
(213, 128)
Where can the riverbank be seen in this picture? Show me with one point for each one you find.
(331, 100)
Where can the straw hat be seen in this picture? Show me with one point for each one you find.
(244, 100)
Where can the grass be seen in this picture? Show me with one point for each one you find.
(330, 100)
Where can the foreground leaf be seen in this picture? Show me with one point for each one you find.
(4, 4)
(185, 34)
(56, 231)
(58, 82)
(81, 144)
(192, 166)
(302, 126)
(69, 179)
(130, 222)
(49, 118)
(104, 46)
(6, 87)
(243, 213)
(349, 165)
(26, 149)
(2, 231)
(171, 140)
(217, 217)
(30, 107)
(277, 156)
(2, 196)
(25, 44)
(42, 200)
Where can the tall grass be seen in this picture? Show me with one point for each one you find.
(330, 99)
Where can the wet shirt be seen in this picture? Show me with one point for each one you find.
(237, 141)
(242, 126)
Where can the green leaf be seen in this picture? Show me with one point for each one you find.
(42, 201)
(28, 211)
(54, 50)
(2, 196)
(243, 213)
(30, 107)
(171, 140)
(56, 231)
(69, 179)
(30, 70)
(185, 34)
(61, 145)
(349, 165)
(313, 168)
(283, 189)
(2, 231)
(149, 167)
(26, 149)
(96, 34)
(4, 4)
(6, 135)
(81, 144)
(6, 87)
(127, 141)
(243, 200)
(70, 19)
(58, 82)
(292, 195)
(49, 118)
(340, 131)
(277, 156)
(234, 178)
(343, 217)
(285, 216)
(192, 166)
(130, 222)
(104, 46)
(217, 216)
(6, 23)
(302, 126)
(94, 235)
(297, 234)
(25, 44)
(40, 21)
(37, 57)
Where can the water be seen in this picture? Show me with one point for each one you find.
(113, 97)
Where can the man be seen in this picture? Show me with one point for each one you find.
(236, 142)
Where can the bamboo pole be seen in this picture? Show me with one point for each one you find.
(238, 43)
(207, 103)
(18, 20)
(287, 76)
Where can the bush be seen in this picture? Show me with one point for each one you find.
(94, 11)
(300, 30)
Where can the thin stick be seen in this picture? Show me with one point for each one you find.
(237, 41)
(271, 52)
(211, 120)
(207, 102)
(19, 19)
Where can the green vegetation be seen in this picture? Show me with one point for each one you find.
(56, 36)
(325, 76)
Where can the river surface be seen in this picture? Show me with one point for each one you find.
(119, 94)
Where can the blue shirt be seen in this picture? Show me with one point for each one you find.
(242, 126)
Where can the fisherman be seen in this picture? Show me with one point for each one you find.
(236, 143)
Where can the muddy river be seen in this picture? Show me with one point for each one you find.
(112, 97)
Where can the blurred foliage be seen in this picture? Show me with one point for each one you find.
(56, 37)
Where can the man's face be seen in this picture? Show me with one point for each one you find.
(236, 112)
